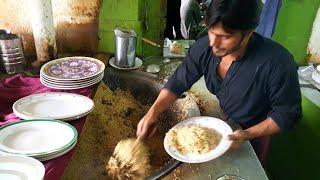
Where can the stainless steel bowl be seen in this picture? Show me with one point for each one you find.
(230, 177)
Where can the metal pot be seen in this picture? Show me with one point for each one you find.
(9, 41)
(11, 55)
(12, 68)
(12, 60)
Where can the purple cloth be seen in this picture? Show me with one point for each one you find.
(18, 86)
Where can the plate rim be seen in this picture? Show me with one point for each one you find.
(58, 154)
(70, 81)
(36, 163)
(74, 130)
(137, 59)
(45, 66)
(24, 116)
(71, 84)
(166, 146)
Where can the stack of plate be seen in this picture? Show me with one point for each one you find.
(72, 73)
(53, 105)
(40, 139)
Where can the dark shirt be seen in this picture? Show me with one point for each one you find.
(261, 84)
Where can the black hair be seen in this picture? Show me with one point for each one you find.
(235, 14)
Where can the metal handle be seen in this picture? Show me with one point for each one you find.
(164, 170)
(309, 86)
(150, 42)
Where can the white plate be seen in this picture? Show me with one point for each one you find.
(52, 156)
(14, 167)
(49, 155)
(210, 122)
(77, 117)
(71, 87)
(138, 63)
(72, 68)
(316, 76)
(52, 105)
(36, 137)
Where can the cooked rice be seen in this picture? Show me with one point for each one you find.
(194, 139)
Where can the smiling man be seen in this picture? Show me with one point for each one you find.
(254, 78)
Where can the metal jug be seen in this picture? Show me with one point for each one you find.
(11, 53)
(125, 54)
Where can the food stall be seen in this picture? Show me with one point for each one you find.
(77, 29)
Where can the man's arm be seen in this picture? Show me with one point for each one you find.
(285, 101)
(183, 78)
(264, 128)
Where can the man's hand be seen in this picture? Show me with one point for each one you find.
(238, 137)
(147, 126)
(264, 128)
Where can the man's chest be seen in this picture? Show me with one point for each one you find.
(237, 81)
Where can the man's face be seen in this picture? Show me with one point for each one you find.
(222, 42)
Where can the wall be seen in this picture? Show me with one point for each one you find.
(76, 24)
(145, 17)
(314, 43)
(295, 154)
(294, 26)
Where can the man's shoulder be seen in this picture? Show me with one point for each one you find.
(274, 51)
(201, 45)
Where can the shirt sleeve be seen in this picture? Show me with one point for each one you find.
(284, 93)
(186, 74)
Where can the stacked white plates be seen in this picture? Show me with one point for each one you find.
(40, 139)
(53, 105)
(72, 73)
(20, 167)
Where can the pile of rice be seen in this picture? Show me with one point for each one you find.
(194, 139)
(129, 161)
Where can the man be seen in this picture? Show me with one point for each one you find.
(254, 78)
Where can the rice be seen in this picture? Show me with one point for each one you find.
(194, 139)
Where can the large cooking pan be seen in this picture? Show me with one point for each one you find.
(145, 88)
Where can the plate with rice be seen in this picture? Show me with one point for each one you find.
(198, 139)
